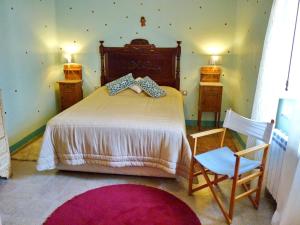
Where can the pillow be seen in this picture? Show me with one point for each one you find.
(135, 87)
(120, 84)
(151, 88)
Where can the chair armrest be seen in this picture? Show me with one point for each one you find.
(209, 132)
(251, 149)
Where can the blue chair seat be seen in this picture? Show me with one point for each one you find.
(222, 161)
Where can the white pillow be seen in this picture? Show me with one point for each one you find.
(136, 87)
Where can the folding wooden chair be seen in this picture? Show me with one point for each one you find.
(226, 164)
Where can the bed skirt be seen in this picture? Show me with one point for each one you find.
(132, 170)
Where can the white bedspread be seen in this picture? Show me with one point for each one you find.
(127, 129)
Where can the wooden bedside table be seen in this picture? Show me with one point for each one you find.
(210, 100)
(70, 93)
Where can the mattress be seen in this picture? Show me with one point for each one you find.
(125, 130)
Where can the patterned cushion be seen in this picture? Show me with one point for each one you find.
(151, 88)
(120, 84)
(135, 87)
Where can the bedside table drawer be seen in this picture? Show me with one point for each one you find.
(211, 90)
(67, 89)
(210, 99)
(70, 92)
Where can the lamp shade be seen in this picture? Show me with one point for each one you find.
(215, 60)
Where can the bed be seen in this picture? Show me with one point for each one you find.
(127, 133)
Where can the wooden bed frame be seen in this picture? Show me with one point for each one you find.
(141, 59)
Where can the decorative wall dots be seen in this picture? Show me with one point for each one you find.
(143, 21)
(183, 26)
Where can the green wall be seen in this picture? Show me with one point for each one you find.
(28, 67)
(44, 29)
(251, 24)
(200, 25)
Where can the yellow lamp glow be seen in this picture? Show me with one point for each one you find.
(69, 50)
(215, 60)
(68, 57)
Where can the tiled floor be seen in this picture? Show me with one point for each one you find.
(30, 196)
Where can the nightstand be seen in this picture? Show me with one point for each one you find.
(210, 93)
(70, 92)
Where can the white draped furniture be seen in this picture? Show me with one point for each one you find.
(4, 148)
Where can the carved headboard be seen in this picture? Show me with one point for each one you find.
(141, 59)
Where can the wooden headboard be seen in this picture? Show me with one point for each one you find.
(141, 59)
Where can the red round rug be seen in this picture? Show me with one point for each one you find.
(124, 204)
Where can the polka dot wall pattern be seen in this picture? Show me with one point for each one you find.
(157, 21)
(26, 82)
(201, 25)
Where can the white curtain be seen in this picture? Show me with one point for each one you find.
(275, 59)
(273, 72)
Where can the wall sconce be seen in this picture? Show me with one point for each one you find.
(215, 60)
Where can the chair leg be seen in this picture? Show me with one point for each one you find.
(210, 185)
(216, 179)
(259, 185)
(191, 177)
(246, 188)
(234, 185)
(232, 197)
